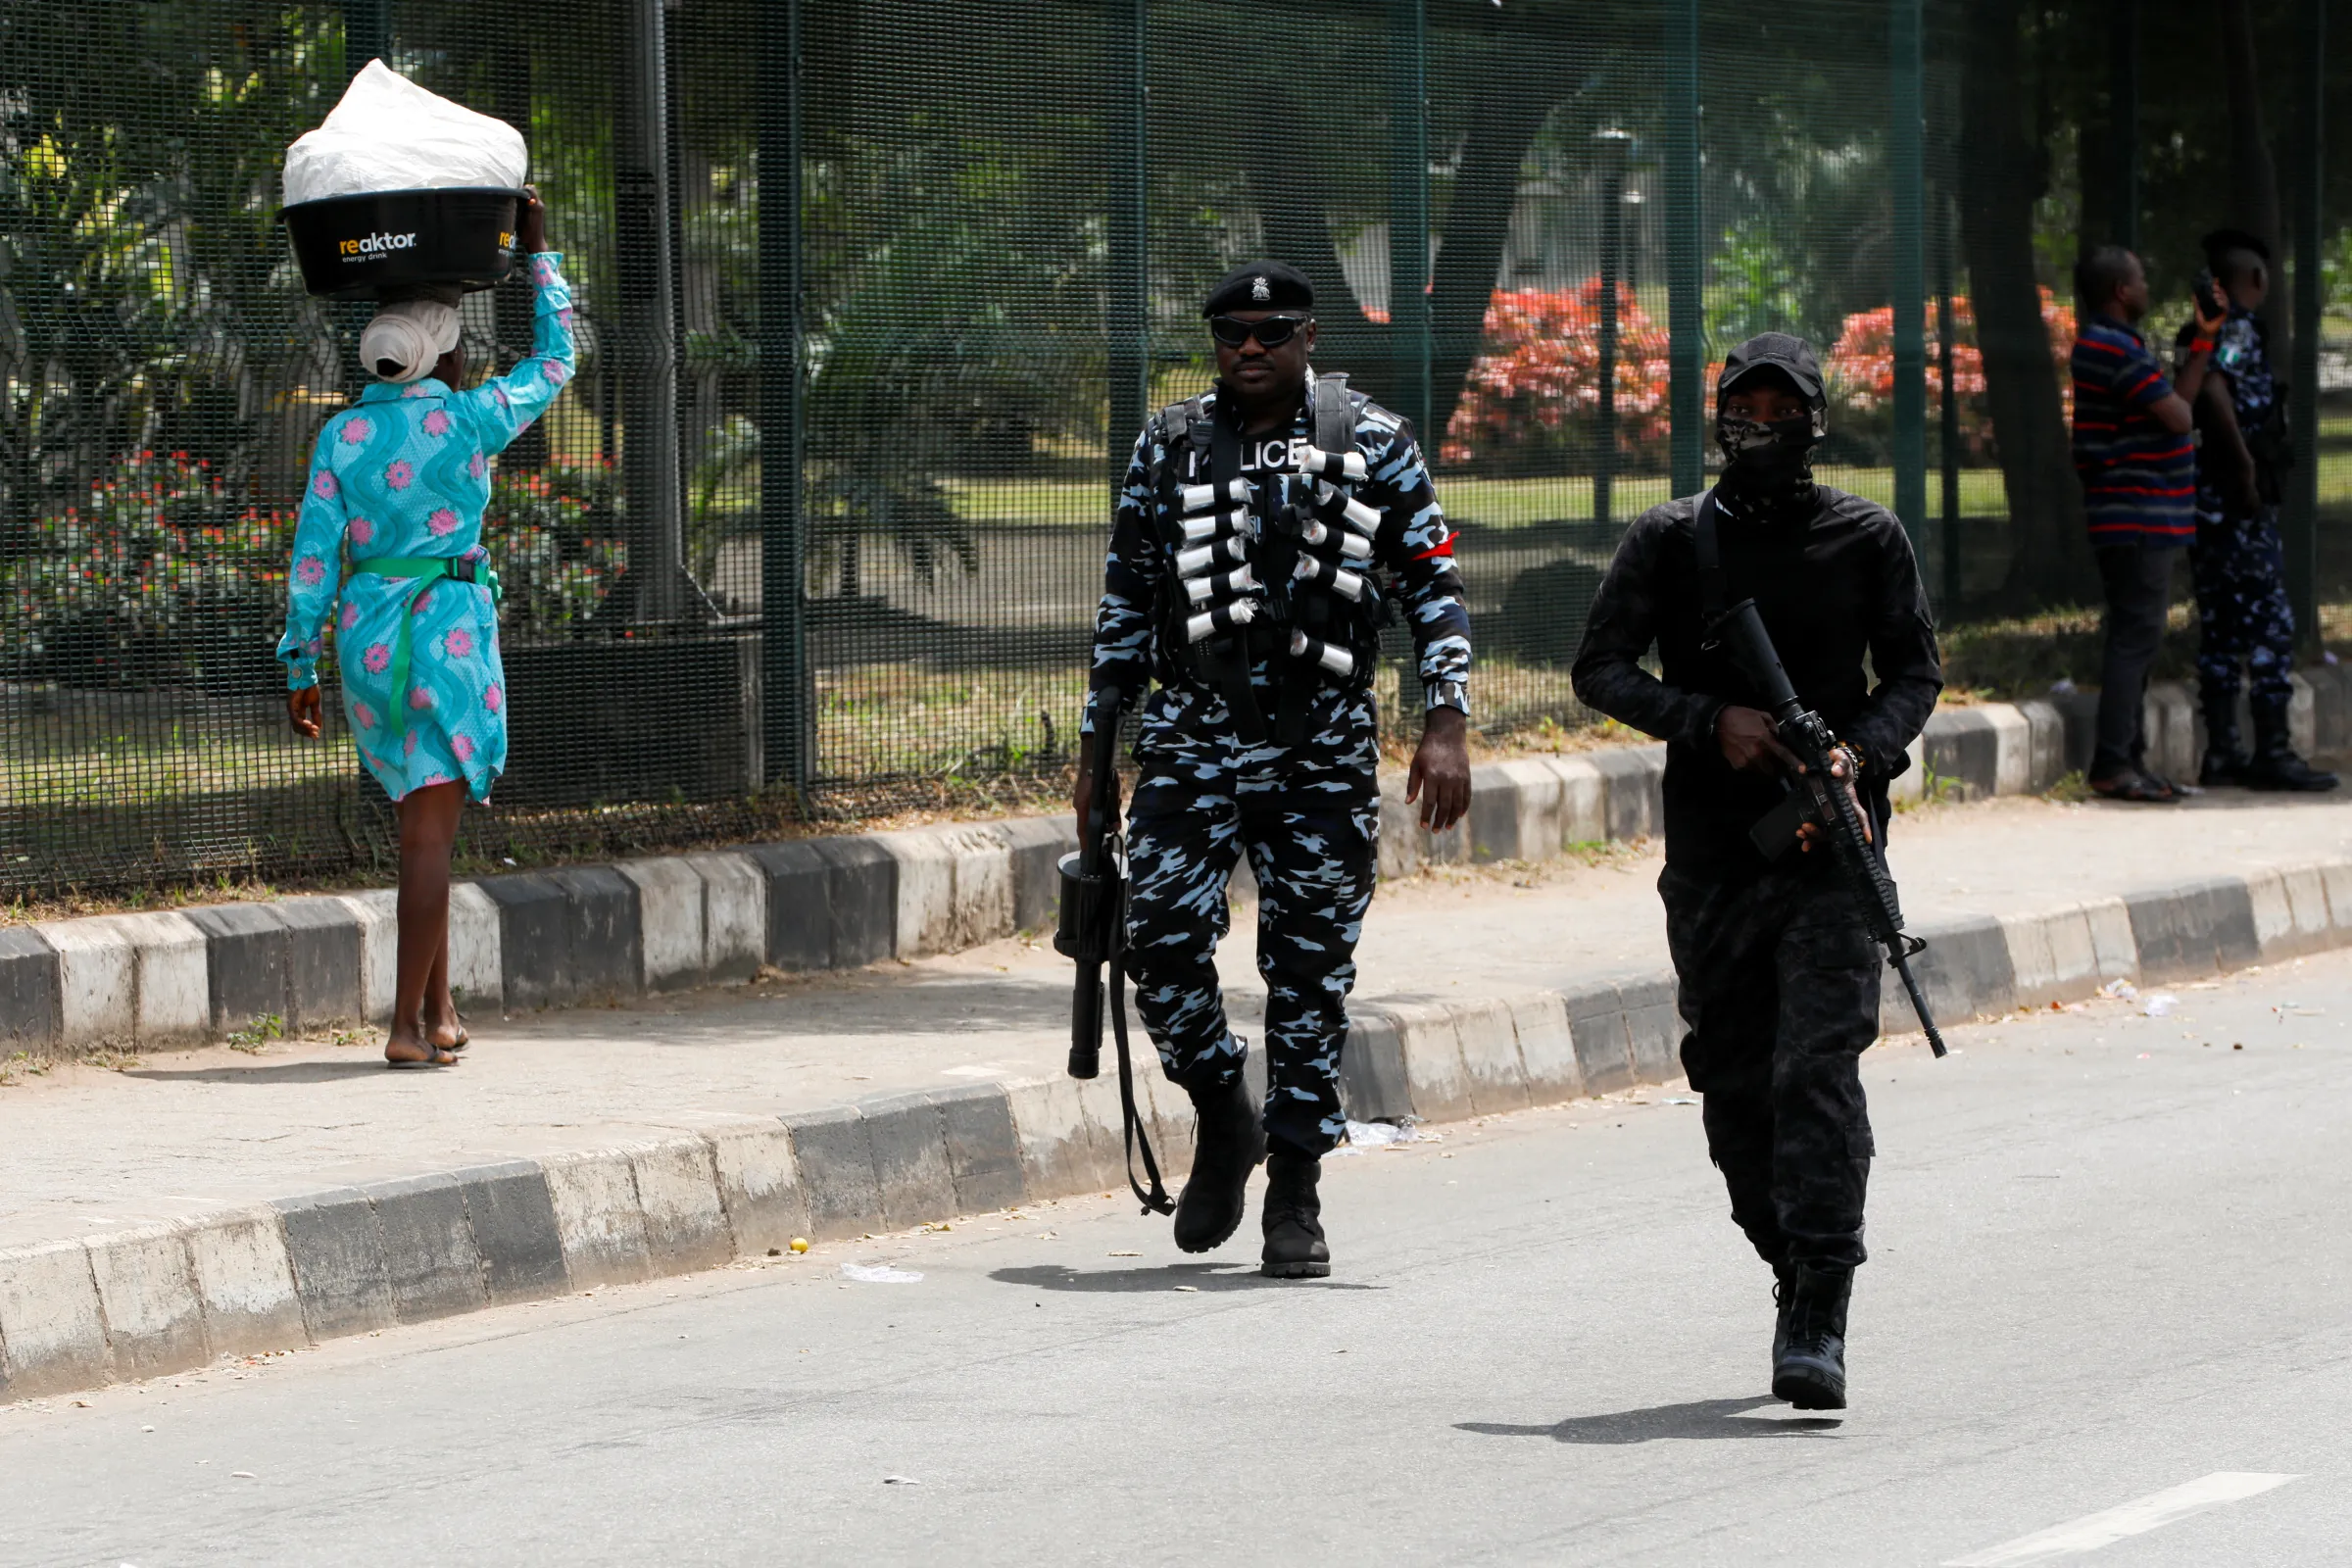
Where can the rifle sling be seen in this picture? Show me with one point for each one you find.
(1155, 1199)
(1714, 591)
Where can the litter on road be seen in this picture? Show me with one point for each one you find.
(880, 1274)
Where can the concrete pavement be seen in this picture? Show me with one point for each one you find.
(184, 1133)
(2107, 1261)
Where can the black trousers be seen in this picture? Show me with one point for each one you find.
(1780, 993)
(2139, 589)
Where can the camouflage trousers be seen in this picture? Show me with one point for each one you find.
(1780, 993)
(2244, 616)
(1308, 819)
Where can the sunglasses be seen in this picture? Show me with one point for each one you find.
(1271, 333)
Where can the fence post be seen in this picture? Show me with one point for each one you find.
(2303, 411)
(646, 268)
(1685, 253)
(787, 719)
(1408, 210)
(367, 33)
(1126, 86)
(1905, 104)
(1948, 410)
(2122, 119)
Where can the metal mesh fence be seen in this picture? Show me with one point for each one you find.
(872, 296)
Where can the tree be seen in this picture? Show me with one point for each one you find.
(2002, 175)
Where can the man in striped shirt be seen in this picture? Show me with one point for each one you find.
(2137, 460)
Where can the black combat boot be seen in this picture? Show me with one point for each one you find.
(2275, 767)
(2282, 769)
(1294, 1219)
(1226, 1149)
(1809, 1369)
(1782, 1298)
(2224, 759)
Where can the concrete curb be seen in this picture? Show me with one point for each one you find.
(587, 933)
(168, 1297)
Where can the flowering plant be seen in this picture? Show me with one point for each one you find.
(553, 535)
(1860, 371)
(1535, 390)
(156, 574)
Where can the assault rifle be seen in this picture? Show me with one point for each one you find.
(1092, 930)
(1819, 798)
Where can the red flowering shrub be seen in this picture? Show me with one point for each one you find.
(1860, 370)
(1535, 390)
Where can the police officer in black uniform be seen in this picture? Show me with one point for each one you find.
(1779, 976)
(1265, 531)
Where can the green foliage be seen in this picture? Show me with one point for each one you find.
(964, 334)
(1753, 284)
(257, 1034)
(156, 575)
(554, 538)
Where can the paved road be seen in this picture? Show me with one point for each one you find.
(2109, 1261)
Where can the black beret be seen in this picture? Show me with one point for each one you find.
(2222, 241)
(1261, 286)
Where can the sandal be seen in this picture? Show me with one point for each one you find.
(434, 1056)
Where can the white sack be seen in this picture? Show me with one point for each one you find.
(390, 134)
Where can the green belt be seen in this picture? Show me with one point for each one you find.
(427, 569)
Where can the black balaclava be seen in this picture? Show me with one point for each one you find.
(1768, 469)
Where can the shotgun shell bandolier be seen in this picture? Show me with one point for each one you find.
(1296, 593)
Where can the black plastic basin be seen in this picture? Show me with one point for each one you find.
(359, 247)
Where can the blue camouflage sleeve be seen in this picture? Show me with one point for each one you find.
(2233, 345)
(1415, 543)
(1130, 575)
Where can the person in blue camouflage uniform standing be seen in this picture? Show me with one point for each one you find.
(1252, 532)
(2243, 613)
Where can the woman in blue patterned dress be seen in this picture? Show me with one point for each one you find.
(397, 487)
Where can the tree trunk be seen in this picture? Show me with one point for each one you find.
(2050, 554)
(2253, 177)
(1475, 225)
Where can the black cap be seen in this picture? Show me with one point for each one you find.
(2222, 241)
(1789, 355)
(1261, 286)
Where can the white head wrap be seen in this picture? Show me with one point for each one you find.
(407, 337)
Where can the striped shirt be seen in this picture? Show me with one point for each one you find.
(2140, 480)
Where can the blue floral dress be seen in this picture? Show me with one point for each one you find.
(406, 472)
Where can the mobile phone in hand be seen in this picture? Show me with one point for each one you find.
(2207, 294)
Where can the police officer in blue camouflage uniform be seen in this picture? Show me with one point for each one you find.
(1264, 533)
(2243, 613)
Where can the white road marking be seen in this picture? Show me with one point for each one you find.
(2093, 1531)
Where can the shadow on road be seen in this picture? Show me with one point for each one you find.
(284, 1072)
(1204, 1277)
(1698, 1418)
